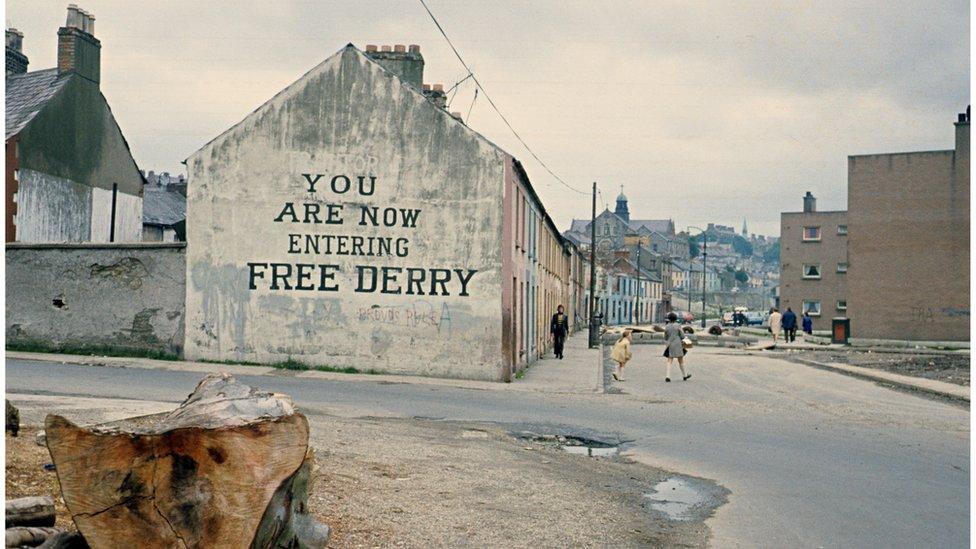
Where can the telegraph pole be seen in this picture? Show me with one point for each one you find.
(638, 283)
(704, 275)
(593, 321)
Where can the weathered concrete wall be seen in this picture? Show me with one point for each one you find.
(128, 216)
(257, 293)
(123, 297)
(75, 146)
(52, 209)
(76, 137)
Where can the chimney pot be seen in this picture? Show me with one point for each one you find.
(78, 49)
(72, 21)
(386, 48)
(15, 39)
(400, 48)
(16, 61)
(426, 87)
(438, 87)
(371, 48)
(414, 48)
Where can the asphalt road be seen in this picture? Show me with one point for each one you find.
(812, 458)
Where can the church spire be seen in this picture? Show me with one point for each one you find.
(745, 230)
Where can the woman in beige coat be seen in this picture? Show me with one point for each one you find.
(674, 346)
(775, 324)
(621, 355)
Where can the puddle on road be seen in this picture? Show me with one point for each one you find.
(575, 445)
(586, 447)
(675, 498)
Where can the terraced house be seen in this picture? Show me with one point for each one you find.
(70, 176)
(351, 221)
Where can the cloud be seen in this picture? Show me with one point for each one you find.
(703, 111)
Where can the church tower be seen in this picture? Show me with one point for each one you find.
(622, 211)
(745, 231)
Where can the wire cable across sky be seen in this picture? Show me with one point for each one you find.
(494, 106)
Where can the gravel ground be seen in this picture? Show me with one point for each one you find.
(382, 482)
(941, 367)
(25, 475)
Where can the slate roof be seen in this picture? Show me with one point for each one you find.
(663, 226)
(27, 94)
(160, 207)
(580, 239)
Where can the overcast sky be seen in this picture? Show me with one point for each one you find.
(704, 112)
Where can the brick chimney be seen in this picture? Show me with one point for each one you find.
(407, 63)
(809, 203)
(16, 60)
(962, 134)
(79, 52)
(436, 95)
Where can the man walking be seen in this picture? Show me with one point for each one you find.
(789, 325)
(558, 327)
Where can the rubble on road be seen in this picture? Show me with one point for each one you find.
(950, 368)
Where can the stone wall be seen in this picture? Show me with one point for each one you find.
(111, 298)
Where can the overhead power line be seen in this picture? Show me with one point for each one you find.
(494, 106)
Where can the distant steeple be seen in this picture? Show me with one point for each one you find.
(745, 230)
(622, 211)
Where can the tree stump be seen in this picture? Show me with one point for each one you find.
(28, 536)
(228, 468)
(29, 511)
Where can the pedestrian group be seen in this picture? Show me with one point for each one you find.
(676, 346)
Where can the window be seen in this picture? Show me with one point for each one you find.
(812, 307)
(841, 230)
(842, 267)
(841, 304)
(811, 271)
(811, 234)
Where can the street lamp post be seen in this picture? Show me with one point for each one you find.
(593, 335)
(704, 272)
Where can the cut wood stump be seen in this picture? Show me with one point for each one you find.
(28, 536)
(29, 511)
(64, 540)
(228, 468)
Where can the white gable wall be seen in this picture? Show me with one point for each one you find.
(347, 117)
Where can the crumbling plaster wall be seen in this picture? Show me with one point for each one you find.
(348, 116)
(118, 297)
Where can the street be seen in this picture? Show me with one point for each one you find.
(811, 458)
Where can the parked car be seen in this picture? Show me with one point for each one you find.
(728, 319)
(755, 319)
